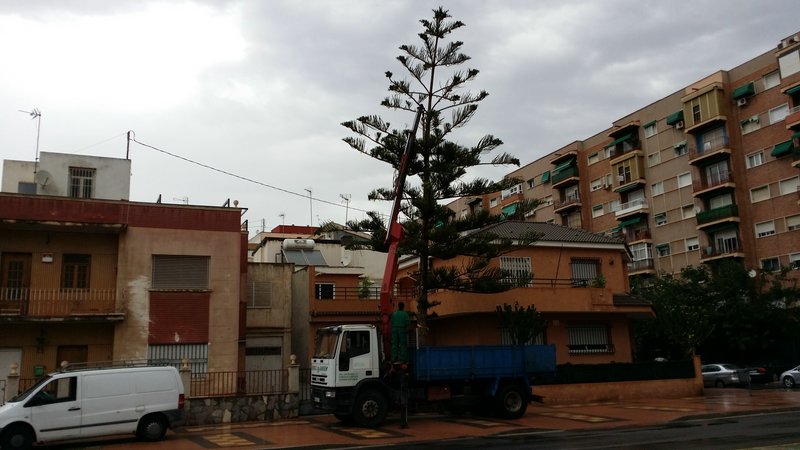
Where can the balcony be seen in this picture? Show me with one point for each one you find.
(572, 201)
(729, 248)
(710, 151)
(28, 304)
(713, 183)
(792, 119)
(641, 266)
(634, 207)
(637, 235)
(565, 177)
(728, 213)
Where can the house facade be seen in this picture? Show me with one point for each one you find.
(88, 279)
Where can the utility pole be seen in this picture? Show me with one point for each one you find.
(310, 207)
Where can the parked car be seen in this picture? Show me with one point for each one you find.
(759, 375)
(721, 375)
(791, 377)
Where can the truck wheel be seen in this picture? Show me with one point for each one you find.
(512, 403)
(16, 437)
(151, 428)
(370, 408)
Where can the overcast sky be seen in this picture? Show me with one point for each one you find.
(259, 89)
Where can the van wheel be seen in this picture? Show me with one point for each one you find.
(151, 428)
(16, 437)
(511, 401)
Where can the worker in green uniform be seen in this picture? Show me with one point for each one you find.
(399, 323)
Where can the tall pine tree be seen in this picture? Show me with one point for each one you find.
(438, 85)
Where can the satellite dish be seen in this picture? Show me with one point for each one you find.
(752, 273)
(347, 257)
(42, 178)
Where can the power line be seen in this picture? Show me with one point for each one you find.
(250, 180)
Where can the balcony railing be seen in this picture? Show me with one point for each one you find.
(715, 214)
(625, 147)
(33, 302)
(570, 200)
(642, 264)
(569, 172)
(636, 235)
(725, 248)
(707, 147)
(713, 180)
(365, 293)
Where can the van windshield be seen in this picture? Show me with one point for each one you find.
(27, 392)
(325, 343)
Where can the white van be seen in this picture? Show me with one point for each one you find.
(74, 404)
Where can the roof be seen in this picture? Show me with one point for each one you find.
(549, 232)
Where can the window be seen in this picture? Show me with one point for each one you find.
(688, 211)
(650, 129)
(59, 391)
(770, 265)
(720, 200)
(661, 219)
(759, 194)
(641, 251)
(81, 182)
(506, 339)
(778, 113)
(657, 188)
(547, 201)
(764, 229)
(493, 202)
(711, 139)
(584, 271)
(771, 80)
(750, 124)
(653, 159)
(613, 206)
(530, 183)
(516, 268)
(593, 158)
(726, 241)
(75, 271)
(324, 291)
(662, 249)
(684, 179)
(789, 186)
(597, 210)
(180, 272)
(587, 339)
(356, 343)
(755, 159)
(574, 220)
(793, 223)
(680, 149)
(597, 184)
(789, 63)
(696, 113)
(692, 244)
(794, 260)
(259, 294)
(624, 171)
(173, 354)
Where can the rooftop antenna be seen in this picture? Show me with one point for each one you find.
(310, 207)
(184, 199)
(35, 114)
(346, 198)
(282, 215)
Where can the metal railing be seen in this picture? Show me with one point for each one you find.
(228, 384)
(570, 200)
(366, 293)
(56, 302)
(638, 204)
(707, 147)
(717, 214)
(642, 264)
(712, 180)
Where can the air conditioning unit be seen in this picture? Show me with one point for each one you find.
(679, 124)
(781, 44)
(742, 101)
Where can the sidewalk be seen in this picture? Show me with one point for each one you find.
(325, 431)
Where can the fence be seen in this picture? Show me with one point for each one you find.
(229, 384)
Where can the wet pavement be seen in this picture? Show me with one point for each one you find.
(325, 431)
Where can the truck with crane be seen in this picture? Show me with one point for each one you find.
(354, 377)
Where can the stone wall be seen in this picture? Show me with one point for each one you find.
(251, 408)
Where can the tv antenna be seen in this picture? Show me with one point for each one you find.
(35, 114)
(346, 199)
(310, 207)
(282, 215)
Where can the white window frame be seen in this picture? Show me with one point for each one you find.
(493, 202)
(692, 212)
(778, 113)
(651, 130)
(685, 178)
(774, 262)
(794, 260)
(657, 188)
(596, 184)
(692, 243)
(771, 80)
(757, 192)
(653, 159)
(755, 159)
(517, 266)
(661, 247)
(593, 158)
(259, 294)
(750, 124)
(764, 229)
(660, 219)
(793, 222)
(597, 210)
(789, 185)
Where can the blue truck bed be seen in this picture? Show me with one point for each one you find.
(483, 361)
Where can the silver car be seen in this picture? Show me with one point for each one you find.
(791, 377)
(721, 375)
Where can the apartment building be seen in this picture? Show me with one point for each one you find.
(706, 173)
(89, 276)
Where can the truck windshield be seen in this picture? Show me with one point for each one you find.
(325, 345)
(24, 394)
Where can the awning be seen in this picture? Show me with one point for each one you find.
(546, 177)
(565, 165)
(784, 148)
(675, 117)
(744, 91)
(629, 222)
(621, 139)
(627, 187)
(652, 122)
(679, 145)
(509, 210)
(665, 245)
(796, 135)
(793, 90)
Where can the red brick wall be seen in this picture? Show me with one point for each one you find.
(179, 317)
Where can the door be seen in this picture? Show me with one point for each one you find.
(72, 354)
(7, 357)
(55, 409)
(15, 282)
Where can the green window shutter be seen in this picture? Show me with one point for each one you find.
(793, 90)
(782, 149)
(564, 165)
(744, 91)
(629, 222)
(509, 210)
(675, 117)
(546, 177)
(652, 122)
